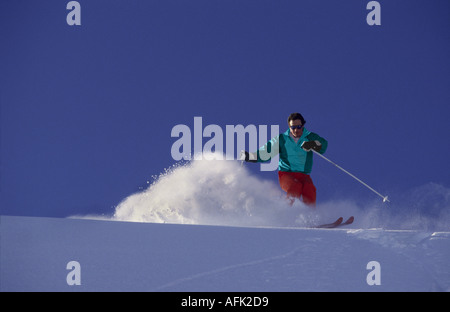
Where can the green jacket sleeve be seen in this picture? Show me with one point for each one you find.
(270, 149)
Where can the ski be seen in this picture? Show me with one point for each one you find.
(349, 221)
(330, 225)
(338, 222)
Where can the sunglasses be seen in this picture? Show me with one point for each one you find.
(296, 127)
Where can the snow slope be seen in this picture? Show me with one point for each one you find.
(131, 256)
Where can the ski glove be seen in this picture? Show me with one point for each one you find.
(315, 145)
(248, 157)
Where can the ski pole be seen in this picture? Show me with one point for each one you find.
(385, 198)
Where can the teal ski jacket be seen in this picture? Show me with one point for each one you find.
(293, 158)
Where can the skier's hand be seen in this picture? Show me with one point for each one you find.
(309, 145)
(248, 157)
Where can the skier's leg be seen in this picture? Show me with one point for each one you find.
(309, 191)
(291, 185)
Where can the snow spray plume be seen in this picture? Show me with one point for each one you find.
(222, 192)
(211, 191)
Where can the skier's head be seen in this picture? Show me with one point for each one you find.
(296, 123)
(296, 116)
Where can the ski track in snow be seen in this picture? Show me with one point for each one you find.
(171, 285)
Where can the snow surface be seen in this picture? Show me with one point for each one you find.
(132, 256)
(212, 225)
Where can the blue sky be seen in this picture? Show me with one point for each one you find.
(87, 111)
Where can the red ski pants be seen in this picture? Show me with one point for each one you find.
(296, 185)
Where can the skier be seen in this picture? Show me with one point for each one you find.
(296, 158)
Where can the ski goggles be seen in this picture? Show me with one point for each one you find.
(296, 127)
